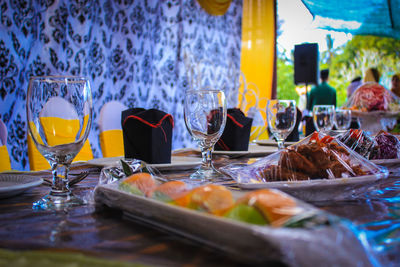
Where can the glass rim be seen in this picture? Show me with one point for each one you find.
(324, 106)
(58, 77)
(282, 100)
(190, 91)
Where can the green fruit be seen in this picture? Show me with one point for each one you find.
(160, 196)
(130, 189)
(245, 213)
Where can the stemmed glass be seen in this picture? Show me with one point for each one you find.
(323, 118)
(59, 115)
(281, 116)
(205, 119)
(342, 118)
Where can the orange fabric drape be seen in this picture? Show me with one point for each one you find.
(5, 164)
(215, 7)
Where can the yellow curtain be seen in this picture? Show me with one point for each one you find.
(215, 7)
(112, 143)
(258, 48)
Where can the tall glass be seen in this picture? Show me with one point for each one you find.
(342, 118)
(59, 115)
(281, 116)
(323, 117)
(205, 119)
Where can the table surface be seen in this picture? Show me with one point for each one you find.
(105, 233)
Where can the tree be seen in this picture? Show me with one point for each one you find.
(363, 52)
(286, 89)
(346, 62)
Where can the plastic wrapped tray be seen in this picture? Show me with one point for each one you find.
(340, 176)
(332, 243)
(375, 106)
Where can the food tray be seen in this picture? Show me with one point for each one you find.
(321, 189)
(308, 183)
(330, 244)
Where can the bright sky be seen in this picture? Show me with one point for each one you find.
(297, 28)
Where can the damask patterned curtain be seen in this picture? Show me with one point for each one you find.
(142, 53)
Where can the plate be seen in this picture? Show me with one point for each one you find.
(321, 189)
(270, 142)
(389, 163)
(13, 184)
(254, 151)
(375, 114)
(246, 242)
(177, 163)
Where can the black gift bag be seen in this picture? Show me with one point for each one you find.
(236, 134)
(147, 134)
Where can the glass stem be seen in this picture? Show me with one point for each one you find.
(281, 144)
(207, 158)
(60, 183)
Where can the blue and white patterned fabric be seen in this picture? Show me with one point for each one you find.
(141, 53)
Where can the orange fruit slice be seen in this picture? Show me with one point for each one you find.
(275, 206)
(141, 183)
(170, 191)
(215, 199)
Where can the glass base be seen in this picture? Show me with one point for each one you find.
(57, 202)
(208, 175)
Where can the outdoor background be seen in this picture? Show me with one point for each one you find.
(345, 55)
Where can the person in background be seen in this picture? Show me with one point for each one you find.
(372, 75)
(355, 83)
(322, 94)
(396, 84)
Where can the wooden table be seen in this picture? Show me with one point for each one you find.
(104, 233)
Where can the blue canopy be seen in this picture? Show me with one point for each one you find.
(359, 17)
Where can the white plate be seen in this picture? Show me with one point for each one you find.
(270, 142)
(385, 161)
(13, 184)
(320, 189)
(377, 113)
(254, 150)
(177, 163)
(389, 163)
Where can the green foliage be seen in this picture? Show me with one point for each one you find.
(345, 63)
(285, 84)
(363, 52)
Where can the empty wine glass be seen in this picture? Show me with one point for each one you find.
(342, 118)
(59, 115)
(205, 119)
(281, 116)
(323, 117)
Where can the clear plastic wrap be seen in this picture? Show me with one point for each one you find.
(357, 140)
(381, 146)
(386, 146)
(294, 233)
(373, 97)
(319, 167)
(375, 107)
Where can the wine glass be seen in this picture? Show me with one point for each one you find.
(281, 116)
(205, 119)
(59, 115)
(323, 118)
(342, 118)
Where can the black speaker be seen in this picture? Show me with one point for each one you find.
(306, 64)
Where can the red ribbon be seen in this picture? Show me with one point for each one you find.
(223, 145)
(157, 125)
(235, 121)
